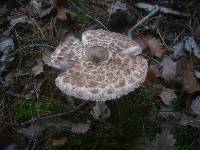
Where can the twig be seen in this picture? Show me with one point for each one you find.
(39, 29)
(144, 20)
(163, 40)
(149, 8)
(153, 9)
(52, 116)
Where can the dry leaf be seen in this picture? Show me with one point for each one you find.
(185, 72)
(117, 6)
(60, 141)
(155, 46)
(178, 50)
(61, 10)
(141, 42)
(80, 128)
(151, 76)
(168, 68)
(36, 129)
(168, 96)
(41, 7)
(191, 46)
(196, 33)
(31, 131)
(38, 69)
(143, 144)
(22, 19)
(195, 106)
(156, 69)
(197, 74)
(6, 48)
(164, 141)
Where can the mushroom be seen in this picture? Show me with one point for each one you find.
(104, 66)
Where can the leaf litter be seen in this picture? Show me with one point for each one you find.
(167, 67)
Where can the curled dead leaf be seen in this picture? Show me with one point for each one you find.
(61, 10)
(155, 46)
(59, 141)
(151, 76)
(168, 96)
(195, 106)
(196, 33)
(168, 68)
(185, 72)
(38, 69)
(41, 7)
(80, 128)
(117, 6)
(164, 141)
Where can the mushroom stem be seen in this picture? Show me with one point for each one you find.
(144, 20)
(101, 110)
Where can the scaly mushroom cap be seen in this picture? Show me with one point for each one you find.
(102, 67)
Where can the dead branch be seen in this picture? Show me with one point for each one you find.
(153, 9)
(149, 8)
(144, 20)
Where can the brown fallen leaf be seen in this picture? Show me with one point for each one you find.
(40, 7)
(59, 141)
(80, 128)
(185, 73)
(155, 46)
(164, 141)
(117, 6)
(168, 96)
(196, 33)
(156, 69)
(151, 76)
(61, 10)
(168, 68)
(141, 41)
(195, 106)
(38, 69)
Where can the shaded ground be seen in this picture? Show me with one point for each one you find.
(36, 115)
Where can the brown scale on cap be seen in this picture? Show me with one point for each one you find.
(104, 66)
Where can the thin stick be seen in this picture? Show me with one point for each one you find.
(149, 8)
(39, 29)
(141, 22)
(163, 40)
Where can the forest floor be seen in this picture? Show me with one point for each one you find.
(163, 114)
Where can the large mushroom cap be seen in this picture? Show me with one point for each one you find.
(102, 67)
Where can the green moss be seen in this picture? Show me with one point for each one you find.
(81, 18)
(25, 110)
